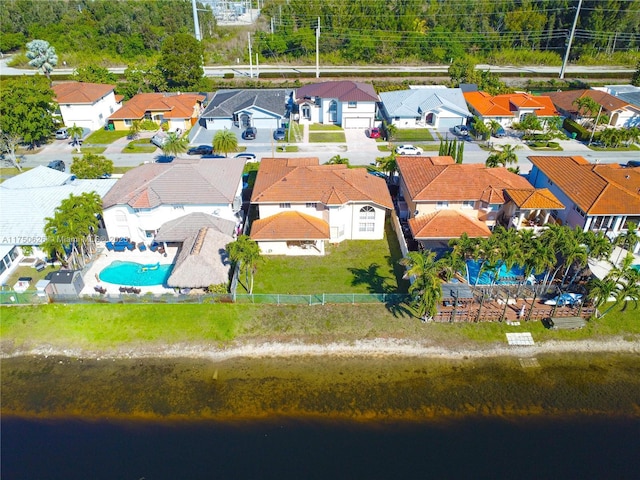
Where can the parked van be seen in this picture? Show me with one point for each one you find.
(62, 134)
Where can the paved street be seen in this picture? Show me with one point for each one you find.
(359, 149)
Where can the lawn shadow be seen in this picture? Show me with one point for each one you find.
(399, 308)
(370, 276)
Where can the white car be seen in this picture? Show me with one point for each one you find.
(408, 150)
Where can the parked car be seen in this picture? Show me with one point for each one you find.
(200, 150)
(62, 134)
(250, 133)
(633, 163)
(213, 155)
(57, 165)
(159, 139)
(250, 157)
(279, 134)
(373, 132)
(499, 132)
(461, 130)
(408, 150)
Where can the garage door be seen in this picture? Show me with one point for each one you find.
(449, 122)
(266, 123)
(357, 122)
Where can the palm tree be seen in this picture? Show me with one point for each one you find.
(628, 239)
(134, 129)
(450, 264)
(426, 286)
(338, 160)
(599, 291)
(174, 145)
(225, 141)
(246, 253)
(75, 133)
(42, 56)
(388, 165)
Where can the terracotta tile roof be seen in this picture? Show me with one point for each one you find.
(303, 180)
(596, 189)
(445, 224)
(291, 225)
(343, 90)
(81, 92)
(173, 105)
(505, 105)
(181, 182)
(428, 180)
(564, 100)
(534, 199)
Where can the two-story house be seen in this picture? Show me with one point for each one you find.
(149, 196)
(345, 103)
(86, 105)
(302, 205)
(179, 110)
(620, 112)
(602, 197)
(445, 199)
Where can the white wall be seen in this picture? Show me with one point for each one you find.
(92, 116)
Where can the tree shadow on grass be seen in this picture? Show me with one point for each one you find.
(399, 308)
(369, 276)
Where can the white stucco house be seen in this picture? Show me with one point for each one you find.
(345, 103)
(263, 109)
(87, 105)
(435, 106)
(302, 205)
(26, 201)
(599, 197)
(149, 196)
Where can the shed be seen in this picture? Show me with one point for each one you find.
(65, 282)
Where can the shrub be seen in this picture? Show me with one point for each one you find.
(574, 127)
(553, 145)
(149, 125)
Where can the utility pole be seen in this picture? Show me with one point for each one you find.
(196, 23)
(250, 57)
(573, 31)
(318, 49)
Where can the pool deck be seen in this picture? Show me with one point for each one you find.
(104, 259)
(600, 268)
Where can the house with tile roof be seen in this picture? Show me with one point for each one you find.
(87, 105)
(302, 205)
(346, 103)
(180, 111)
(27, 200)
(601, 197)
(435, 106)
(260, 108)
(620, 112)
(154, 194)
(509, 108)
(445, 199)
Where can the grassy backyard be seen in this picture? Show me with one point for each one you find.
(353, 266)
(320, 127)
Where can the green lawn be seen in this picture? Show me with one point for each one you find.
(321, 127)
(353, 266)
(103, 327)
(101, 137)
(629, 148)
(95, 150)
(141, 145)
(412, 135)
(327, 137)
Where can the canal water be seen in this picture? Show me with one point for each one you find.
(552, 416)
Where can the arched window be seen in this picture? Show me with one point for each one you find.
(367, 219)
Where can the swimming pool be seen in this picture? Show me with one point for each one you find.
(135, 274)
(488, 277)
(636, 267)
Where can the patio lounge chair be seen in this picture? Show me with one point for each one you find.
(109, 246)
(154, 246)
(142, 247)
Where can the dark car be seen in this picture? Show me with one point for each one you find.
(633, 163)
(250, 157)
(250, 133)
(213, 155)
(57, 165)
(499, 132)
(200, 150)
(279, 134)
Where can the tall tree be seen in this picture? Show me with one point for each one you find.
(426, 286)
(181, 59)
(94, 74)
(26, 108)
(75, 133)
(42, 56)
(246, 253)
(174, 145)
(225, 141)
(9, 143)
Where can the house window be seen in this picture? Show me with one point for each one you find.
(468, 204)
(306, 112)
(353, 104)
(494, 207)
(110, 109)
(100, 116)
(312, 205)
(128, 122)
(178, 207)
(285, 205)
(579, 210)
(367, 213)
(442, 205)
(367, 227)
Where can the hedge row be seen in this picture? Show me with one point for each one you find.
(574, 127)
